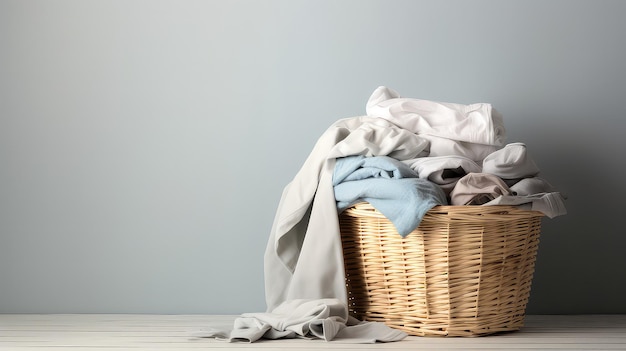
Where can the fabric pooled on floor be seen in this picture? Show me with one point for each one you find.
(325, 319)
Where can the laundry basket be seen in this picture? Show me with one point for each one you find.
(465, 271)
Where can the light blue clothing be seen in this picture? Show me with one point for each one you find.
(403, 200)
(360, 167)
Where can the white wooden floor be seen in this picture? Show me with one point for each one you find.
(171, 332)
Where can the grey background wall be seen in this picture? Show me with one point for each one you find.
(144, 145)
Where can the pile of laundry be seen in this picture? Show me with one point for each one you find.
(463, 162)
(404, 157)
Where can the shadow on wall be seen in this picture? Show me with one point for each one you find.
(580, 260)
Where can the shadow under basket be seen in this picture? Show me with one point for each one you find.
(465, 271)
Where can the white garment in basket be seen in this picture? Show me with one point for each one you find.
(477, 123)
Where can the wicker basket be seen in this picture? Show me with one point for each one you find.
(466, 271)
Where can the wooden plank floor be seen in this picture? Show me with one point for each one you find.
(172, 332)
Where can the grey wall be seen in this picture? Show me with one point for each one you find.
(144, 144)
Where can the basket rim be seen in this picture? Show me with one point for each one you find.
(367, 209)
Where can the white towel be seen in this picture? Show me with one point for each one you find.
(477, 123)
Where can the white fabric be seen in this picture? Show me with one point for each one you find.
(534, 185)
(476, 123)
(444, 171)
(325, 319)
(438, 146)
(550, 204)
(426, 166)
(304, 258)
(511, 162)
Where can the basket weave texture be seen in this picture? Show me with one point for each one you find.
(465, 271)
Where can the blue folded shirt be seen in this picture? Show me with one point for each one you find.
(389, 185)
